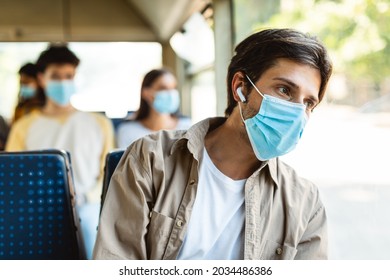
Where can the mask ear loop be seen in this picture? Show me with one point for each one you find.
(262, 95)
(239, 106)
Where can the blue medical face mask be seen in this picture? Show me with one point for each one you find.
(60, 91)
(166, 101)
(27, 92)
(276, 129)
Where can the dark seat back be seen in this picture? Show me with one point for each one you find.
(38, 219)
(112, 160)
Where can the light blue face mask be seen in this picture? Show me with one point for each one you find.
(276, 129)
(166, 101)
(27, 92)
(60, 91)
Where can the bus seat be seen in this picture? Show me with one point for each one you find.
(111, 161)
(38, 219)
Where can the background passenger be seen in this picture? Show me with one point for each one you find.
(4, 129)
(87, 136)
(159, 109)
(31, 95)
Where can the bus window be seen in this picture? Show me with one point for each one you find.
(108, 78)
(344, 147)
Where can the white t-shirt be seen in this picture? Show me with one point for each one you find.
(130, 131)
(216, 228)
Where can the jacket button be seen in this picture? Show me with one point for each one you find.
(192, 182)
(279, 251)
(179, 223)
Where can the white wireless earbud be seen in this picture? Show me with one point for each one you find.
(240, 95)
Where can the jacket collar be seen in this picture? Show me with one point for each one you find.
(194, 140)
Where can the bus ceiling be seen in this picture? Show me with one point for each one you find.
(94, 20)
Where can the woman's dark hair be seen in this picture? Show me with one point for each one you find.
(149, 79)
(31, 70)
(260, 51)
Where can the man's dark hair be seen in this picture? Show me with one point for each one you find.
(29, 69)
(57, 54)
(260, 51)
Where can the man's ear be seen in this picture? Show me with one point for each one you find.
(241, 95)
(238, 87)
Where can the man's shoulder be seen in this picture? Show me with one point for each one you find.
(164, 139)
(154, 151)
(290, 181)
(163, 143)
(297, 192)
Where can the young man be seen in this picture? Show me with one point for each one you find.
(88, 137)
(218, 190)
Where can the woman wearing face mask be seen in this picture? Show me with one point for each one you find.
(31, 95)
(158, 110)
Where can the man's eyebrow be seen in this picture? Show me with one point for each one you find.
(295, 86)
(291, 83)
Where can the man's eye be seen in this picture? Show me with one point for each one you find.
(283, 90)
(283, 93)
(309, 105)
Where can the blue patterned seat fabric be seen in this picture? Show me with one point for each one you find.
(112, 160)
(37, 220)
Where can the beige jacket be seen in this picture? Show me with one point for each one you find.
(153, 189)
